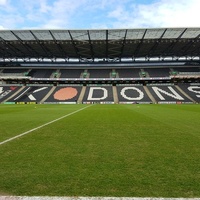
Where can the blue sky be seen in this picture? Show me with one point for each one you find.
(95, 14)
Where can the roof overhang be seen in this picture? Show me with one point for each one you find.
(113, 44)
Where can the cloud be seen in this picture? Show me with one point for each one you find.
(44, 7)
(2, 27)
(164, 13)
(52, 14)
(10, 21)
(101, 5)
(3, 2)
(61, 14)
(9, 15)
(71, 14)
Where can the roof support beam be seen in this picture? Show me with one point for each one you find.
(188, 45)
(41, 45)
(74, 45)
(106, 44)
(91, 47)
(123, 44)
(10, 47)
(62, 51)
(139, 45)
(27, 47)
(171, 46)
(152, 50)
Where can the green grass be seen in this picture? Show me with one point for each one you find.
(103, 150)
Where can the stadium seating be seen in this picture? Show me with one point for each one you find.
(132, 94)
(99, 73)
(11, 71)
(158, 72)
(14, 72)
(167, 94)
(41, 73)
(98, 94)
(128, 73)
(64, 94)
(119, 90)
(7, 91)
(71, 73)
(31, 94)
(193, 90)
(187, 69)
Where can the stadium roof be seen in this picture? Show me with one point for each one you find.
(100, 44)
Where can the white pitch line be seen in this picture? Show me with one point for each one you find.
(55, 120)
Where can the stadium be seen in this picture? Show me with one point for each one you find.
(82, 115)
(157, 65)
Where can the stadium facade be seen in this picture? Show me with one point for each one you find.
(100, 66)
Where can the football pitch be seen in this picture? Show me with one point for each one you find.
(100, 150)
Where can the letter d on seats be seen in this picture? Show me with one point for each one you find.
(96, 89)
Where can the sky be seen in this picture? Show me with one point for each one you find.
(98, 14)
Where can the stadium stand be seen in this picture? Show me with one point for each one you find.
(13, 71)
(71, 73)
(128, 73)
(167, 94)
(99, 73)
(158, 72)
(132, 94)
(101, 94)
(187, 69)
(41, 73)
(193, 90)
(7, 91)
(64, 94)
(31, 94)
(105, 66)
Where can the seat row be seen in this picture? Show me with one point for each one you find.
(160, 93)
(100, 73)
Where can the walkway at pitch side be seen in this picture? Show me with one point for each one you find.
(88, 198)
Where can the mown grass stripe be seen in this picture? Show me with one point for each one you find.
(34, 129)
